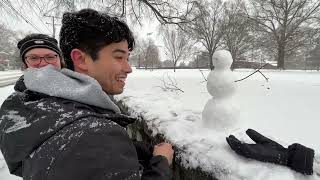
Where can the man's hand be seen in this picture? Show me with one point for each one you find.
(296, 156)
(164, 149)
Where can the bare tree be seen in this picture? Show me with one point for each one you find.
(152, 56)
(313, 58)
(177, 44)
(282, 21)
(8, 48)
(7, 7)
(237, 36)
(207, 28)
(8, 39)
(137, 56)
(166, 11)
(200, 60)
(170, 11)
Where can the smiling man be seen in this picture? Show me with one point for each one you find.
(64, 125)
(110, 69)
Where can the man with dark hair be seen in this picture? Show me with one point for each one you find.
(64, 125)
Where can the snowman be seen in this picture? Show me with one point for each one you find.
(219, 112)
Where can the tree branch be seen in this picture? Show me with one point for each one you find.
(172, 85)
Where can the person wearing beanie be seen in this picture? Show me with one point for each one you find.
(65, 125)
(39, 50)
(36, 51)
(297, 157)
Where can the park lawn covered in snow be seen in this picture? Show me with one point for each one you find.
(285, 109)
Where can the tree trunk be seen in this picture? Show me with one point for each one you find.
(210, 61)
(233, 55)
(139, 61)
(232, 65)
(174, 66)
(281, 56)
(197, 62)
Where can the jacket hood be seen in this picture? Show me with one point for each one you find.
(68, 84)
(30, 118)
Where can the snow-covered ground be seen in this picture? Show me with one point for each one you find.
(285, 109)
(9, 72)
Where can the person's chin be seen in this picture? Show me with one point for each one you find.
(117, 91)
(120, 91)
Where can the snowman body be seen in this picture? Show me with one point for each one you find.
(219, 112)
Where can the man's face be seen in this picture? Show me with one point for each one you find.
(40, 57)
(111, 67)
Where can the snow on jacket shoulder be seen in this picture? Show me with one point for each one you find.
(52, 138)
(90, 148)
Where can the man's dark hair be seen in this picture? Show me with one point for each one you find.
(90, 31)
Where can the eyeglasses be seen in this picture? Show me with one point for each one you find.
(36, 60)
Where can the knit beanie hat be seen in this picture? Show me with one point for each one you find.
(37, 41)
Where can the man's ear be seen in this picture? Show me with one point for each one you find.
(79, 60)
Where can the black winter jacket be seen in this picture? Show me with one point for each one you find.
(50, 138)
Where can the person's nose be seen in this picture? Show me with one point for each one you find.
(42, 62)
(127, 67)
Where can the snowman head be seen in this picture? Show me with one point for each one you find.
(222, 59)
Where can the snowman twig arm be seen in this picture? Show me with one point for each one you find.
(258, 70)
(264, 76)
(203, 75)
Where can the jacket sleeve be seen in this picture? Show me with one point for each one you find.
(316, 164)
(101, 154)
(158, 169)
(155, 167)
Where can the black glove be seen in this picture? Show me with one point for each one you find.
(144, 152)
(296, 156)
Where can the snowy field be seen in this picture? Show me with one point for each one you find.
(9, 77)
(285, 109)
(9, 72)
